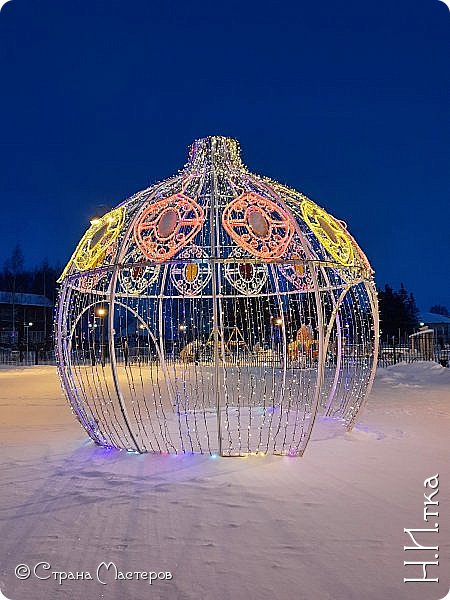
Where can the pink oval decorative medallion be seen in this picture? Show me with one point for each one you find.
(258, 225)
(167, 226)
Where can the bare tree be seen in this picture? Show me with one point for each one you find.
(13, 268)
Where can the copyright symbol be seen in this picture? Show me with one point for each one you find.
(22, 571)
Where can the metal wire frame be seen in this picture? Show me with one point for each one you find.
(213, 349)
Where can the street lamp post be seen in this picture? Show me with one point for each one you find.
(102, 312)
(27, 327)
(182, 328)
(277, 325)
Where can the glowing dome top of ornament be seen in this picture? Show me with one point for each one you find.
(217, 311)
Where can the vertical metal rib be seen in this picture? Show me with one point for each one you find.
(215, 265)
(112, 356)
(373, 299)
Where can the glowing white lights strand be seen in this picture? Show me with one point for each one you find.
(216, 312)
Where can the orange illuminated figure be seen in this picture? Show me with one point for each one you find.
(304, 337)
(167, 226)
(258, 225)
(303, 344)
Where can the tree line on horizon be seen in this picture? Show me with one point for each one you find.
(398, 309)
(15, 278)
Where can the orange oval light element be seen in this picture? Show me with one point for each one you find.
(299, 269)
(191, 272)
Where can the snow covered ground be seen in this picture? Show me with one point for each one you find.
(328, 526)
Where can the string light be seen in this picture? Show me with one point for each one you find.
(216, 312)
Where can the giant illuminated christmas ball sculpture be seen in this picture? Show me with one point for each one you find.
(216, 312)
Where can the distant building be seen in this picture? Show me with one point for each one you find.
(439, 323)
(17, 311)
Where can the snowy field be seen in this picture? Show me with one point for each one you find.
(328, 526)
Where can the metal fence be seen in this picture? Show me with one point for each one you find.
(23, 358)
(389, 354)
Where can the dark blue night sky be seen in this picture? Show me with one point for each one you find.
(346, 101)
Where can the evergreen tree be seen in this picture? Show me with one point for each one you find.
(16, 279)
(40, 280)
(13, 267)
(438, 309)
(398, 311)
